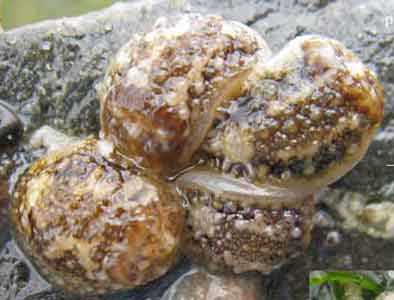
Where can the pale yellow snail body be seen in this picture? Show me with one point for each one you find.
(199, 105)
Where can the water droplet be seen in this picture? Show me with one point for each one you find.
(46, 46)
(296, 233)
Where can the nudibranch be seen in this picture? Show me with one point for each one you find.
(93, 223)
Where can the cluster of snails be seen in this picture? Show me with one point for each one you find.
(210, 146)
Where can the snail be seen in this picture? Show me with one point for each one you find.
(93, 223)
(198, 115)
(160, 94)
(305, 119)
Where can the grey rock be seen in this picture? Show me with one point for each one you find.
(4, 201)
(13, 277)
(18, 278)
(200, 285)
(386, 296)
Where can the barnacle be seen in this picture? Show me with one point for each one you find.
(94, 223)
(161, 92)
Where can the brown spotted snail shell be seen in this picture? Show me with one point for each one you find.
(160, 95)
(199, 106)
(92, 222)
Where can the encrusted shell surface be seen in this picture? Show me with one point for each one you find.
(161, 92)
(226, 236)
(307, 118)
(93, 225)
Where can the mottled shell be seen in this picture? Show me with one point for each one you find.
(92, 225)
(161, 92)
(306, 120)
(226, 236)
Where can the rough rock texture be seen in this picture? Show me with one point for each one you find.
(18, 279)
(13, 277)
(386, 296)
(200, 285)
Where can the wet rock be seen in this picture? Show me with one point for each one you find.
(386, 296)
(50, 139)
(4, 201)
(200, 285)
(18, 279)
(11, 127)
(13, 278)
(355, 213)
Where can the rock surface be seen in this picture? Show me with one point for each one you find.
(200, 285)
(386, 296)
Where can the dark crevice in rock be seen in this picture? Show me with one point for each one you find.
(260, 16)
